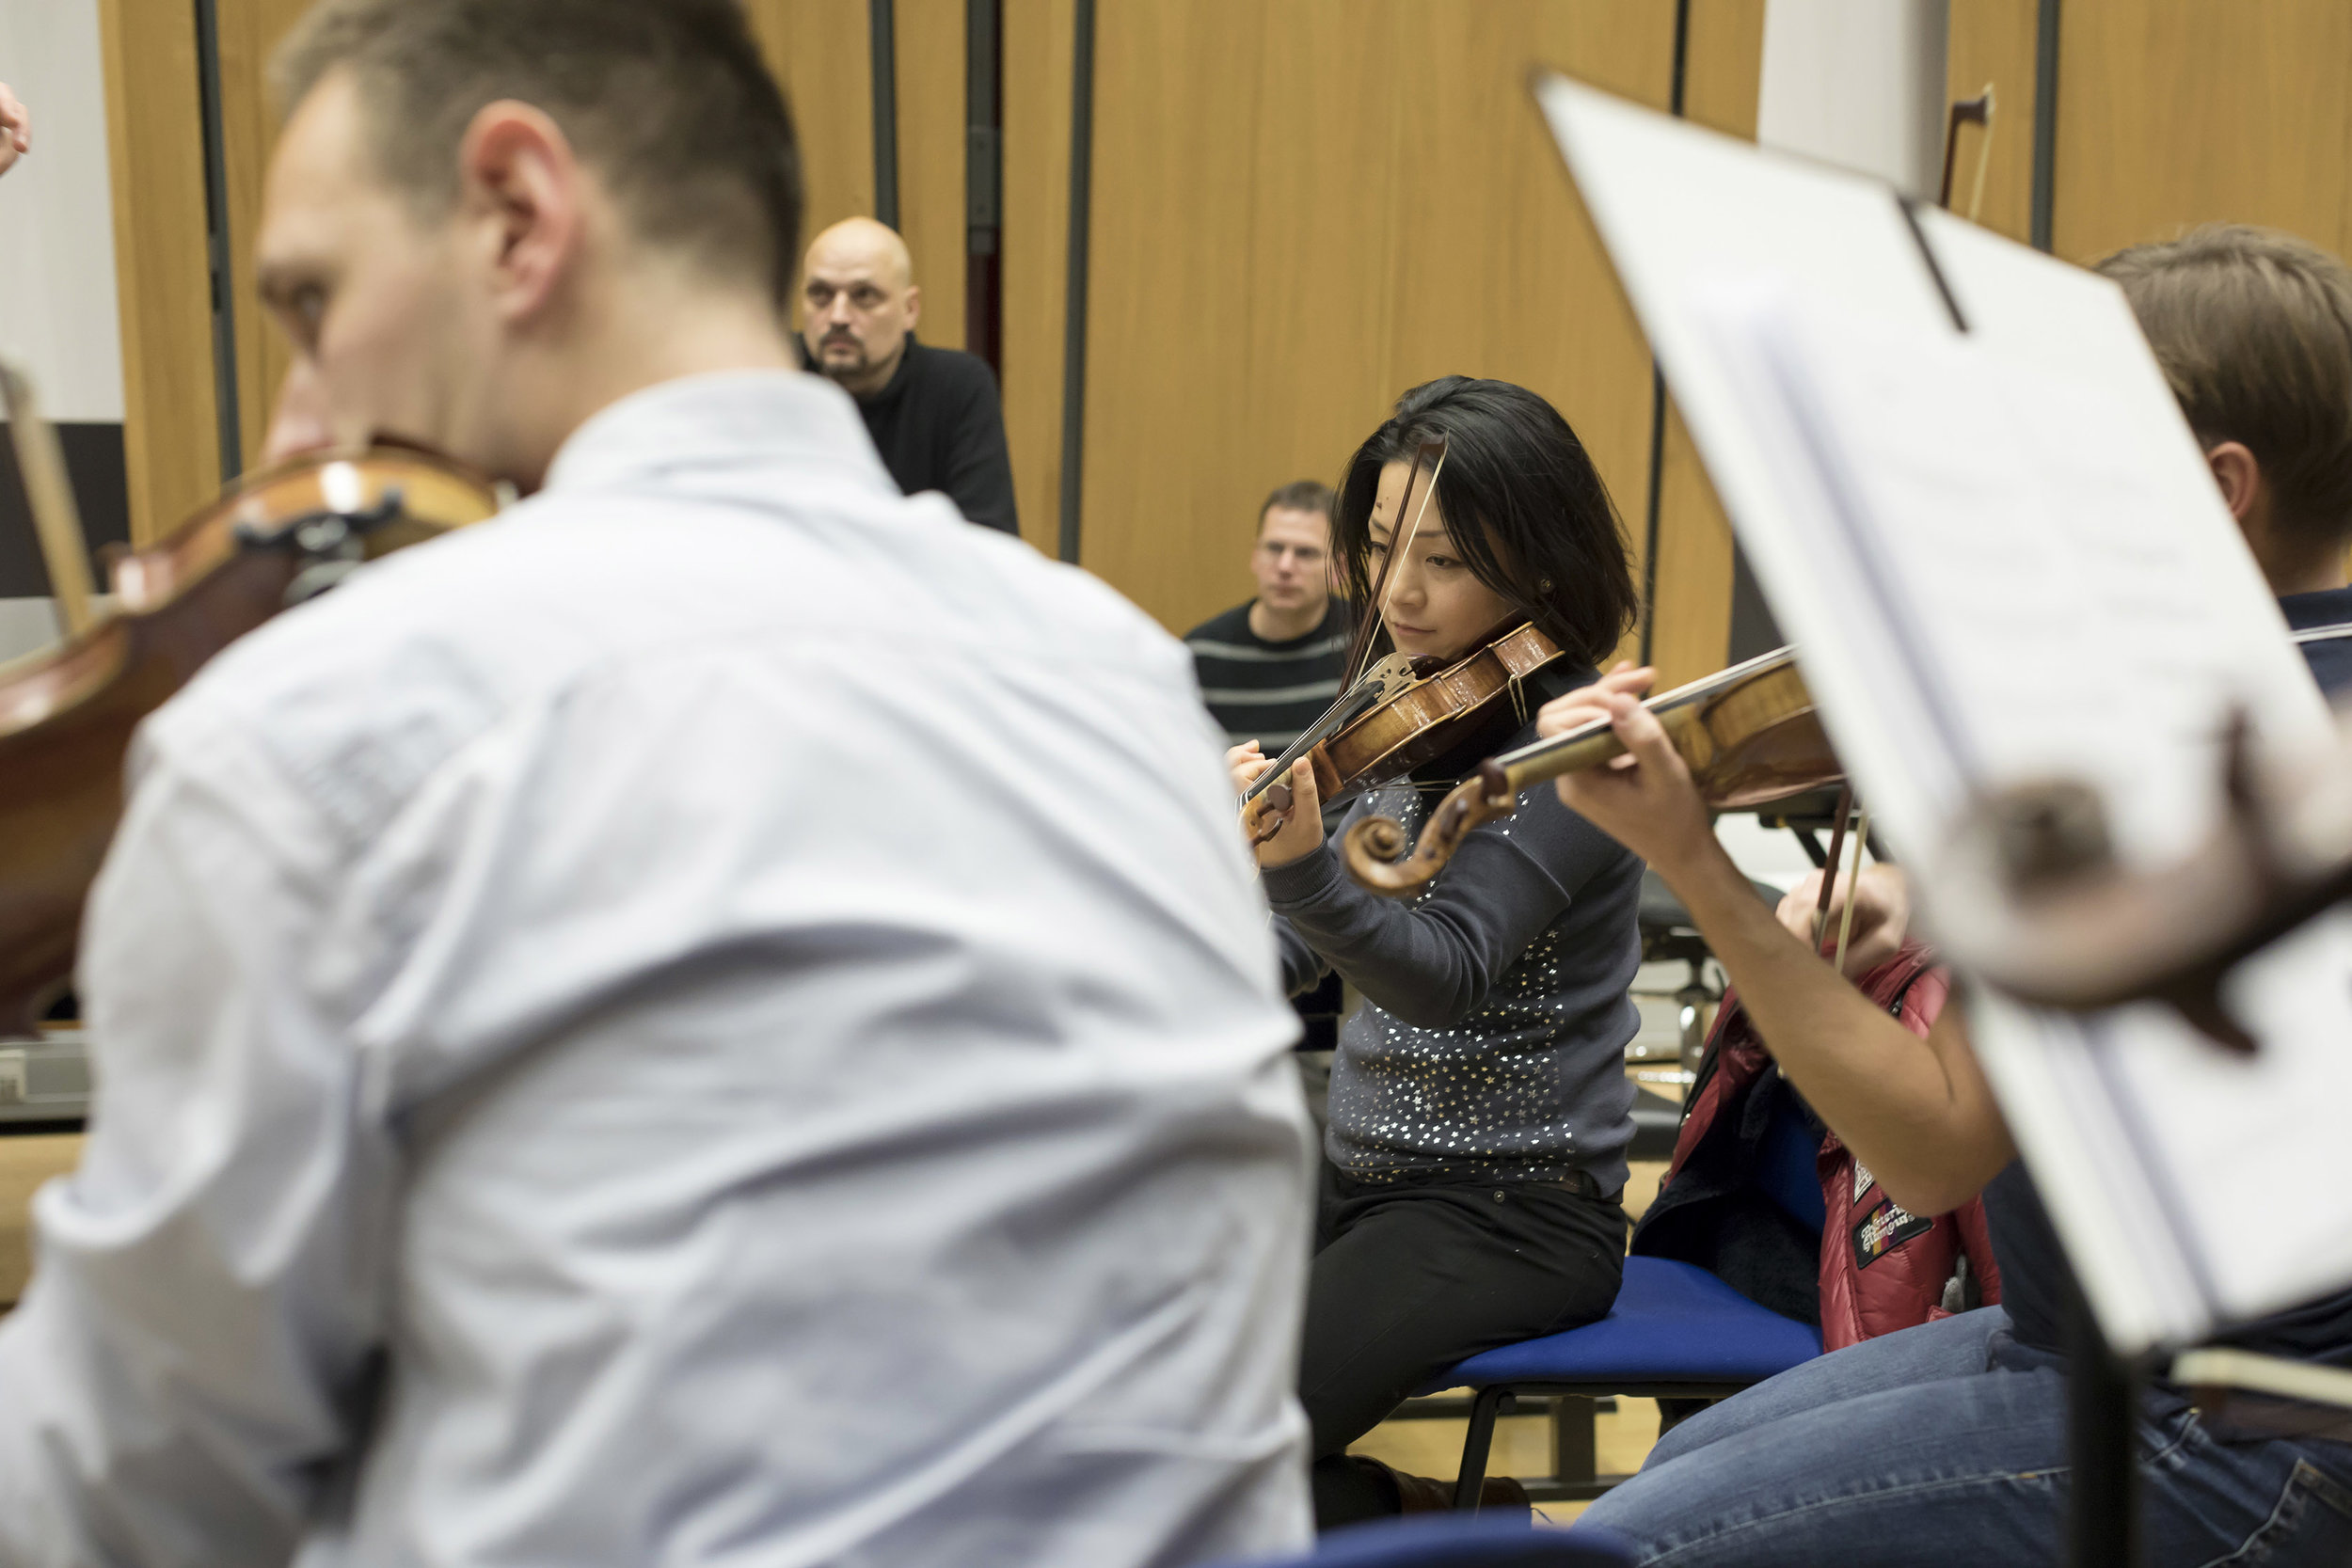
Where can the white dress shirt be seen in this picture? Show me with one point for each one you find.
(718, 1017)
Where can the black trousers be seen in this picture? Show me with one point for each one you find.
(1410, 1277)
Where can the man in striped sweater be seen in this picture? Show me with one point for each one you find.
(1270, 667)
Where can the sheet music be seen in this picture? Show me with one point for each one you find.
(2003, 559)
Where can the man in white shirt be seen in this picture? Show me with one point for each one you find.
(717, 1017)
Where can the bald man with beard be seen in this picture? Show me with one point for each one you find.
(932, 412)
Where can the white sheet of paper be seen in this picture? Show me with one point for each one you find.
(2002, 558)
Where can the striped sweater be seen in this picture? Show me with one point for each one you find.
(1268, 691)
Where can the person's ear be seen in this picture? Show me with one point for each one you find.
(915, 305)
(523, 191)
(2239, 474)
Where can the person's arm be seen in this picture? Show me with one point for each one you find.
(979, 466)
(16, 129)
(1303, 968)
(1924, 1121)
(194, 1356)
(1430, 964)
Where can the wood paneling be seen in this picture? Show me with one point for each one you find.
(27, 1161)
(1993, 40)
(929, 40)
(156, 151)
(249, 33)
(1300, 211)
(1724, 72)
(2177, 112)
(1039, 36)
(1690, 615)
(822, 52)
(2170, 113)
(1303, 210)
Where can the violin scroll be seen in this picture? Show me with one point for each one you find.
(1370, 847)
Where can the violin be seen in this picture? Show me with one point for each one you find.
(1749, 735)
(1409, 713)
(67, 714)
(1400, 713)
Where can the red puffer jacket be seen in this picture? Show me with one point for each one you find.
(1878, 1268)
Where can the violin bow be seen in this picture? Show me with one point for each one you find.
(1853, 880)
(1429, 455)
(56, 520)
(1828, 867)
(1967, 111)
(1274, 783)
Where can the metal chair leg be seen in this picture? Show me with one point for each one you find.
(1477, 1446)
(1575, 1457)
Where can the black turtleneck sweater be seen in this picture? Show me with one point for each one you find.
(938, 427)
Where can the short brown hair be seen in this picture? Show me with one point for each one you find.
(1300, 494)
(668, 100)
(2253, 328)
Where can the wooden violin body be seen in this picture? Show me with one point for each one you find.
(67, 715)
(1749, 735)
(1404, 716)
(1436, 715)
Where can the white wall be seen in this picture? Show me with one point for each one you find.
(58, 310)
(1857, 83)
(58, 315)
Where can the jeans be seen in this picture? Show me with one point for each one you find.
(1411, 1276)
(1946, 1444)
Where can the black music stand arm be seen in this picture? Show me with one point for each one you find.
(2101, 1443)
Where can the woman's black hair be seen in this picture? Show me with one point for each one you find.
(1524, 505)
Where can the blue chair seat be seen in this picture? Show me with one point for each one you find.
(1676, 1331)
(1453, 1541)
(1673, 1323)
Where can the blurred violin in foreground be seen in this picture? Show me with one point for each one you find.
(271, 540)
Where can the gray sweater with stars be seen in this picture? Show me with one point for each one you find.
(1491, 1043)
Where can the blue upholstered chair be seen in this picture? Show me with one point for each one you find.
(1457, 1540)
(1676, 1331)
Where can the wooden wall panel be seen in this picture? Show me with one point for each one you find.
(1690, 615)
(171, 442)
(249, 34)
(931, 98)
(822, 52)
(1993, 40)
(1363, 197)
(27, 1161)
(2177, 112)
(1038, 39)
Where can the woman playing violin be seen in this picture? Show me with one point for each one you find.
(1475, 1160)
